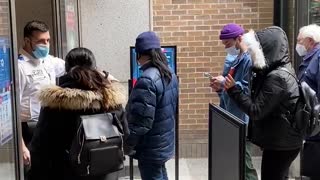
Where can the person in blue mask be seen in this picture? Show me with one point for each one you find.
(238, 63)
(36, 69)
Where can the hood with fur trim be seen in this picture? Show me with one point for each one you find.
(268, 47)
(77, 99)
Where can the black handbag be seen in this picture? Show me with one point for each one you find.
(97, 148)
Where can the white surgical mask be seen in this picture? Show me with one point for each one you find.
(233, 50)
(301, 50)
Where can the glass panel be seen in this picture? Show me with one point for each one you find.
(315, 11)
(69, 25)
(7, 157)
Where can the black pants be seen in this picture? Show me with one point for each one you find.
(275, 164)
(27, 131)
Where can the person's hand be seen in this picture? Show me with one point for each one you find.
(129, 150)
(229, 83)
(26, 155)
(215, 83)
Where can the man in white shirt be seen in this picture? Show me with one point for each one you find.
(36, 69)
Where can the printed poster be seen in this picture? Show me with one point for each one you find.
(6, 131)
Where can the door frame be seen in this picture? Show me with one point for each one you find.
(57, 24)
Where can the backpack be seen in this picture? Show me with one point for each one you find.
(305, 117)
(97, 147)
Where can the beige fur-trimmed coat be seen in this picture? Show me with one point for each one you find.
(58, 122)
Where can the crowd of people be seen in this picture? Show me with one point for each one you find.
(260, 87)
(257, 84)
(50, 111)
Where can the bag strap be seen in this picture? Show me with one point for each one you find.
(286, 70)
(114, 115)
(290, 114)
(297, 80)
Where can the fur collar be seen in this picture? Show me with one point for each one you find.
(77, 99)
(255, 50)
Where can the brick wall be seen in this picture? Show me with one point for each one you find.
(194, 26)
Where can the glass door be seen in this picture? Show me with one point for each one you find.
(9, 163)
(67, 25)
(314, 11)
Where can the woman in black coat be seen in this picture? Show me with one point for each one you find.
(82, 91)
(273, 88)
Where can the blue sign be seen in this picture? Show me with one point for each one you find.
(6, 131)
(169, 51)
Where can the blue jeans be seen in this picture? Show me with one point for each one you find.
(152, 171)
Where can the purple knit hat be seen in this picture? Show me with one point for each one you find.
(231, 31)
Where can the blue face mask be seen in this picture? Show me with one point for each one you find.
(41, 51)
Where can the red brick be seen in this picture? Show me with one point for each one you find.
(211, 11)
(195, 1)
(163, 23)
(203, 28)
(227, 11)
(186, 59)
(199, 47)
(196, 106)
(235, 5)
(186, 6)
(171, 29)
(203, 17)
(189, 121)
(158, 29)
(179, 12)
(179, 1)
(218, 6)
(170, 18)
(211, 1)
(202, 6)
(157, 7)
(203, 90)
(189, 70)
(193, 95)
(170, 7)
(195, 12)
(163, 12)
(188, 90)
(179, 23)
(195, 54)
(187, 28)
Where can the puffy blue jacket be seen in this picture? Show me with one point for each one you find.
(151, 113)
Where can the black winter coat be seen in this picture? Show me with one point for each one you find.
(272, 95)
(151, 116)
(58, 122)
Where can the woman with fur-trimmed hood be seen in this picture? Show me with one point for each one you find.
(82, 91)
(273, 92)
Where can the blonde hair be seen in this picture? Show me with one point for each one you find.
(311, 31)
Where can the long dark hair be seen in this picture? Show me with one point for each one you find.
(159, 60)
(81, 67)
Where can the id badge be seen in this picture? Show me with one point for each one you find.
(37, 75)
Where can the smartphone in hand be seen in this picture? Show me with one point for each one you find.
(208, 75)
(231, 72)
